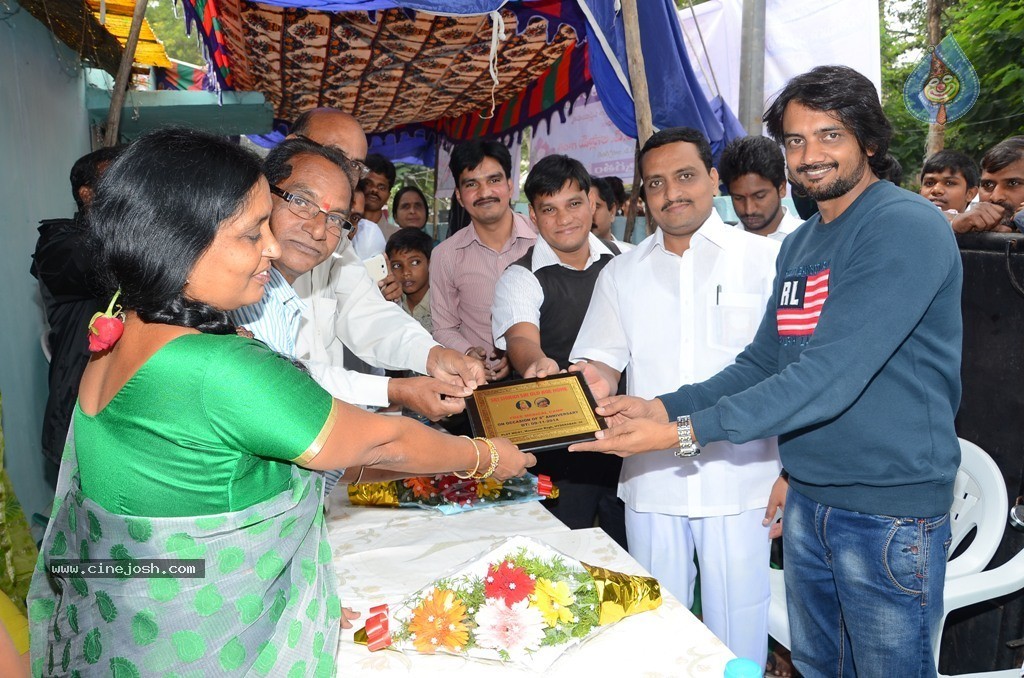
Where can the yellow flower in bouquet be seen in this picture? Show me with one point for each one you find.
(489, 488)
(439, 622)
(553, 599)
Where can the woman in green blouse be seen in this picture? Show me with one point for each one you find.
(190, 442)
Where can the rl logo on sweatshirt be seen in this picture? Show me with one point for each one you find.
(799, 304)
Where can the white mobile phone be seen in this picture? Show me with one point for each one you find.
(377, 267)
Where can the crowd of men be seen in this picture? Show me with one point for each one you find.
(858, 399)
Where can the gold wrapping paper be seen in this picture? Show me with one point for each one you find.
(374, 494)
(622, 595)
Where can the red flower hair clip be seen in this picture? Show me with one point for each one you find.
(106, 328)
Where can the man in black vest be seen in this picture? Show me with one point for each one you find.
(539, 304)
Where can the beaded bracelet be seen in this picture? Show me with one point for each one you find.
(472, 473)
(494, 459)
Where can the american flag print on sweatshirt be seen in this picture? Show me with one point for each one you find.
(799, 305)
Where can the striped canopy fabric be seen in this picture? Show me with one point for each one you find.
(399, 69)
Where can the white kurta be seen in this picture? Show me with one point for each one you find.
(344, 307)
(672, 320)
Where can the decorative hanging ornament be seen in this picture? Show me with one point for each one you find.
(106, 327)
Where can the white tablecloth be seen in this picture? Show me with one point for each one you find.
(383, 555)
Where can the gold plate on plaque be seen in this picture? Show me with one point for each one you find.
(536, 414)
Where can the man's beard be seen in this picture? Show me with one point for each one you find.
(837, 188)
(765, 222)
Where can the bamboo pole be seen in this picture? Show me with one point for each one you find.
(936, 130)
(641, 98)
(752, 66)
(124, 72)
(637, 72)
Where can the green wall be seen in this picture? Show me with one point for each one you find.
(43, 130)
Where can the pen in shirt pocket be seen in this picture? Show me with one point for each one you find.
(718, 295)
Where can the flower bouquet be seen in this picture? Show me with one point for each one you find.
(523, 603)
(449, 494)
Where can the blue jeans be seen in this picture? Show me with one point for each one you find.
(864, 591)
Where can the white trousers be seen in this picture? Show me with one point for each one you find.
(733, 553)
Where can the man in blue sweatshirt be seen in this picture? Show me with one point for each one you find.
(856, 367)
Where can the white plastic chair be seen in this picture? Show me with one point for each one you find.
(979, 501)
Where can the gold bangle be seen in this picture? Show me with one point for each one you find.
(360, 476)
(494, 459)
(472, 473)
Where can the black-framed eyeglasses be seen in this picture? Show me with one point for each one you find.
(301, 207)
(357, 167)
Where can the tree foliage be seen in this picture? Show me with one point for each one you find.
(170, 30)
(989, 32)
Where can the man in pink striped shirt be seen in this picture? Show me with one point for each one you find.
(465, 268)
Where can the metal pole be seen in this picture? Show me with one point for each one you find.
(124, 72)
(752, 66)
(637, 72)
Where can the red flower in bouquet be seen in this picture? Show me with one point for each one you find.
(106, 327)
(457, 490)
(508, 582)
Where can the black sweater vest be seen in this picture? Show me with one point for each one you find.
(567, 295)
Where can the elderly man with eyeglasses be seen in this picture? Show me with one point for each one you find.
(312, 195)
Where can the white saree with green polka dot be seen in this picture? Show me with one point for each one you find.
(267, 605)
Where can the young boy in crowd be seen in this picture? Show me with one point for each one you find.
(950, 180)
(408, 250)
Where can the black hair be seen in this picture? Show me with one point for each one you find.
(157, 210)
(621, 197)
(382, 166)
(301, 124)
(752, 155)
(85, 173)
(672, 135)
(552, 173)
(277, 166)
(1003, 154)
(956, 162)
(470, 154)
(847, 95)
(402, 191)
(604, 191)
(458, 218)
(409, 240)
(894, 171)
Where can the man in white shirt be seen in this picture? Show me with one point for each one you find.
(539, 304)
(753, 170)
(367, 239)
(313, 320)
(377, 188)
(682, 305)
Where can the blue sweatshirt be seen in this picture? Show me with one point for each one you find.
(856, 364)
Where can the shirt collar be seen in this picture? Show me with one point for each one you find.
(278, 288)
(713, 231)
(544, 255)
(522, 227)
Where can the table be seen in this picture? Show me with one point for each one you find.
(383, 555)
